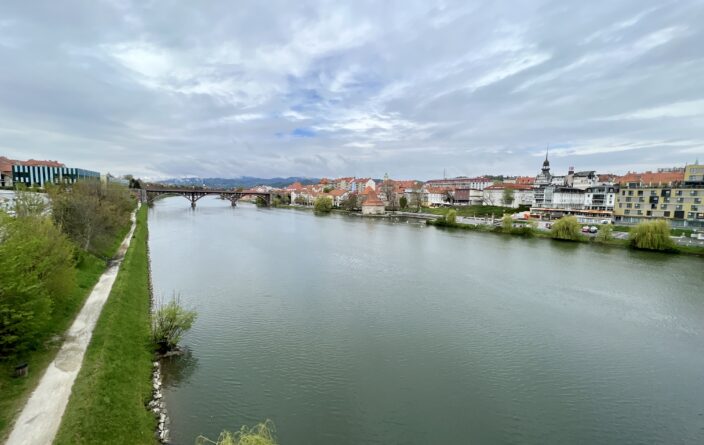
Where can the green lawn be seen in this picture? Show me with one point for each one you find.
(16, 391)
(107, 404)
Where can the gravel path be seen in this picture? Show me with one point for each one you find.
(41, 416)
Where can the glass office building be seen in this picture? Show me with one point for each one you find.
(38, 175)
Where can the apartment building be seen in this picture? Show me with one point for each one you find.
(675, 196)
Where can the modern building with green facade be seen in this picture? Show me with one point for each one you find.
(38, 175)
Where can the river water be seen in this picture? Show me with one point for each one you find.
(344, 330)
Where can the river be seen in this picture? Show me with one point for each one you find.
(348, 330)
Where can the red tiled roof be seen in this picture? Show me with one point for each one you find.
(338, 192)
(439, 190)
(372, 198)
(652, 178)
(509, 186)
(47, 163)
(525, 180)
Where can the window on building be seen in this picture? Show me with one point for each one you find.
(627, 212)
(640, 192)
(667, 214)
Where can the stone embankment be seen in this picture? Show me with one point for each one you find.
(156, 404)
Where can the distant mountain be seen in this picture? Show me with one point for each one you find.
(243, 181)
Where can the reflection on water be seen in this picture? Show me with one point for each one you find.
(177, 370)
(347, 331)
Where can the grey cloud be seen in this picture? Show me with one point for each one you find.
(214, 89)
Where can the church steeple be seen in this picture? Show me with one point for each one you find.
(546, 163)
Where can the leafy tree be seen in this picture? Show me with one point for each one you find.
(260, 202)
(91, 214)
(403, 202)
(29, 203)
(323, 204)
(300, 200)
(507, 223)
(169, 322)
(327, 189)
(566, 228)
(350, 203)
(652, 235)
(508, 197)
(606, 234)
(451, 216)
(36, 269)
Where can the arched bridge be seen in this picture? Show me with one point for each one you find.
(193, 195)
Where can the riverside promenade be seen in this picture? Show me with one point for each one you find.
(41, 416)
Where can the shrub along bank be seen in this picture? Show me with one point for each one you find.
(653, 235)
(45, 277)
(109, 397)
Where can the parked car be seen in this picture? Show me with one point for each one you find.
(548, 225)
(593, 229)
(585, 229)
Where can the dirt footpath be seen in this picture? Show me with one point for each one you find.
(41, 416)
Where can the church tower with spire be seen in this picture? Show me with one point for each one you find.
(544, 177)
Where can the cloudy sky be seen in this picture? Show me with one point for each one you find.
(412, 88)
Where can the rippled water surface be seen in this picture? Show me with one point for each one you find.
(345, 330)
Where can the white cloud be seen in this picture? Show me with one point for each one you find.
(674, 110)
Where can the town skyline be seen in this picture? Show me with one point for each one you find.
(318, 89)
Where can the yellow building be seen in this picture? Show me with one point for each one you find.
(679, 201)
(694, 174)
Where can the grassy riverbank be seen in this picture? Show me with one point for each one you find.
(108, 400)
(16, 391)
(533, 233)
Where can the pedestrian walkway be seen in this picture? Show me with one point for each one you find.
(41, 416)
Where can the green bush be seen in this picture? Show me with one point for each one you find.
(349, 203)
(36, 270)
(606, 234)
(261, 434)
(507, 223)
(451, 216)
(169, 322)
(91, 214)
(652, 235)
(566, 228)
(403, 202)
(323, 204)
